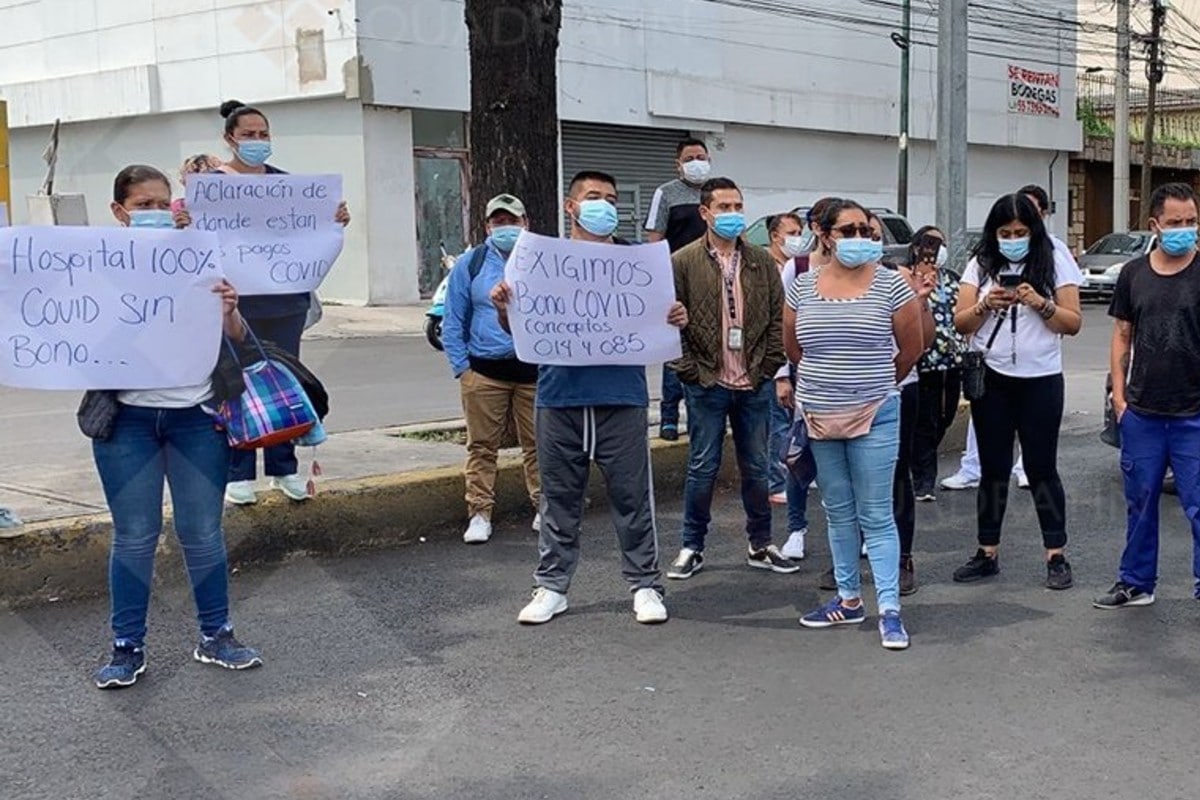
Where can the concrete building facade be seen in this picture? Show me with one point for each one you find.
(795, 102)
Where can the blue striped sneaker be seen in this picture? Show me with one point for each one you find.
(224, 650)
(835, 612)
(891, 631)
(124, 667)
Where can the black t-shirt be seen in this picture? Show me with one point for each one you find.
(1164, 374)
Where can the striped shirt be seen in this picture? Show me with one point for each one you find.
(848, 356)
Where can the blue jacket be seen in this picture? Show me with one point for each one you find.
(485, 339)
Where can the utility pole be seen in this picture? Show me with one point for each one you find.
(903, 40)
(1121, 123)
(952, 128)
(1155, 68)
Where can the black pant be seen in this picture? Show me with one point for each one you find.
(278, 461)
(937, 408)
(903, 500)
(1032, 409)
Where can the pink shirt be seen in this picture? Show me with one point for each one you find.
(732, 374)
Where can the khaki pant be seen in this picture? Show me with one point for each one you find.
(488, 406)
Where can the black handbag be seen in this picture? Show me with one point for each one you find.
(97, 412)
(974, 365)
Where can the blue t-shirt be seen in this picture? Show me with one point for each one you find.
(583, 387)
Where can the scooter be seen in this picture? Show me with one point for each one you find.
(437, 309)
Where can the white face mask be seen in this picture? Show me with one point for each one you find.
(942, 255)
(696, 171)
(793, 246)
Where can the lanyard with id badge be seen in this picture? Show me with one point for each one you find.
(734, 342)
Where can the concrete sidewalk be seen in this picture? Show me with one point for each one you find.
(352, 322)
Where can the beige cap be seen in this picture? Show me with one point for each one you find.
(505, 202)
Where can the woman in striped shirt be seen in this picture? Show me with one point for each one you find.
(840, 325)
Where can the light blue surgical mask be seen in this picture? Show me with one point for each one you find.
(1177, 241)
(598, 217)
(729, 225)
(254, 152)
(151, 218)
(855, 253)
(504, 237)
(1015, 250)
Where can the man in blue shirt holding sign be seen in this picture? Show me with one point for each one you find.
(587, 413)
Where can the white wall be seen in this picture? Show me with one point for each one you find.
(95, 59)
(309, 136)
(692, 63)
(391, 218)
(814, 164)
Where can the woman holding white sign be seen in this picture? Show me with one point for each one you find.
(148, 437)
(278, 317)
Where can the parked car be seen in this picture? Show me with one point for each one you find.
(897, 233)
(1102, 262)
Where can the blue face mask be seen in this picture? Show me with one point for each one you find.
(598, 217)
(254, 152)
(1177, 241)
(855, 253)
(151, 218)
(504, 237)
(729, 225)
(1015, 250)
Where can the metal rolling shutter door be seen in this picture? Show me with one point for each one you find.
(641, 159)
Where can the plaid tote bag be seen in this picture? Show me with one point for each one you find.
(273, 409)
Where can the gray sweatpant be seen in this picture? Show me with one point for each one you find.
(568, 440)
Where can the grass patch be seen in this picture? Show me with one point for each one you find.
(452, 436)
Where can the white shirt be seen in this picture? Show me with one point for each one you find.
(1034, 351)
(179, 397)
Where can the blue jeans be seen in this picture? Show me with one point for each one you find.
(1148, 445)
(278, 461)
(781, 479)
(855, 478)
(672, 396)
(184, 447)
(749, 414)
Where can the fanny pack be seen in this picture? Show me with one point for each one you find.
(849, 423)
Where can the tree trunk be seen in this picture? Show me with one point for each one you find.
(514, 107)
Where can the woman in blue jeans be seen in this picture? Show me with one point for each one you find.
(166, 434)
(840, 325)
(277, 317)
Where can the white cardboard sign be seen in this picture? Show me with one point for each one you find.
(108, 308)
(278, 232)
(586, 304)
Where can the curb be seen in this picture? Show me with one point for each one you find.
(68, 559)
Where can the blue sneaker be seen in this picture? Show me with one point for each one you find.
(226, 651)
(124, 667)
(891, 631)
(835, 612)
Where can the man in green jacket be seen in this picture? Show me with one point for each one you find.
(732, 348)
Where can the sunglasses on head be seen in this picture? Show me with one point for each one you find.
(852, 230)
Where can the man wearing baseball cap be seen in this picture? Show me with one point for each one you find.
(496, 387)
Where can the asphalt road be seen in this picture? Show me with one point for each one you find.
(403, 676)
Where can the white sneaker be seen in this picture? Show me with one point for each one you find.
(479, 531)
(958, 482)
(794, 549)
(648, 607)
(537, 522)
(293, 486)
(545, 606)
(1022, 480)
(240, 493)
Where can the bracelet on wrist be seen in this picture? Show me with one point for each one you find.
(1049, 310)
